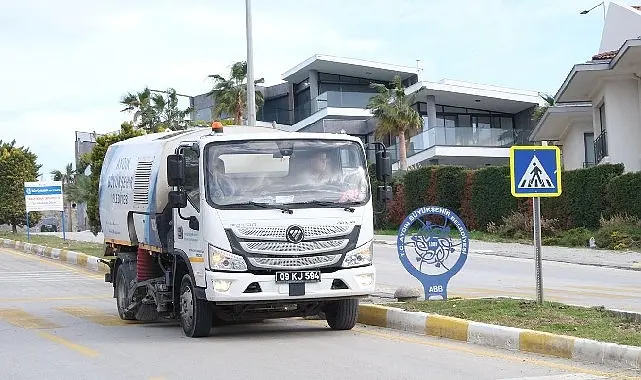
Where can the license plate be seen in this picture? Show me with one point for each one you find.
(299, 276)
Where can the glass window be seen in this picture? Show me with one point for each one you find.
(602, 117)
(285, 172)
(507, 123)
(483, 122)
(192, 176)
(588, 141)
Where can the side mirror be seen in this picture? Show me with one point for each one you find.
(385, 194)
(177, 199)
(193, 223)
(383, 166)
(176, 170)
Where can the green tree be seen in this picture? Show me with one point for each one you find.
(17, 166)
(540, 110)
(96, 158)
(393, 109)
(156, 112)
(230, 95)
(67, 177)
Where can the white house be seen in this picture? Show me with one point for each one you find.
(597, 113)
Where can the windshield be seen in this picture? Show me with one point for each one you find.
(286, 172)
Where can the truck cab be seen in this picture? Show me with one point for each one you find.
(243, 224)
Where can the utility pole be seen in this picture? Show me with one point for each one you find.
(251, 89)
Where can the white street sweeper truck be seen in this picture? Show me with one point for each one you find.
(217, 226)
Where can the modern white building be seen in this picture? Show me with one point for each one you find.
(596, 117)
(465, 123)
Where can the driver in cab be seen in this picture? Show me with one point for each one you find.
(220, 185)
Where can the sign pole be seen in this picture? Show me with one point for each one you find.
(64, 236)
(28, 234)
(536, 205)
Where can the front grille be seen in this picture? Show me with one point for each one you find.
(285, 248)
(276, 233)
(294, 262)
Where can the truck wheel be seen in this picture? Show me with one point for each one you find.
(342, 314)
(195, 314)
(123, 278)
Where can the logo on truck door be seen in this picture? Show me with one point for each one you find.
(294, 234)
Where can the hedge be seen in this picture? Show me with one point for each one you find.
(482, 197)
(624, 195)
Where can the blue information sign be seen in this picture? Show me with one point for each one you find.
(431, 250)
(535, 171)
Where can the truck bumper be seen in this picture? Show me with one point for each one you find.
(351, 282)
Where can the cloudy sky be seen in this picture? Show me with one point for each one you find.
(66, 64)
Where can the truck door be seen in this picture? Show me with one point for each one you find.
(187, 234)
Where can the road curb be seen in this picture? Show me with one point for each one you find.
(501, 337)
(79, 259)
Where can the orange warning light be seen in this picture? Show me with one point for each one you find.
(217, 127)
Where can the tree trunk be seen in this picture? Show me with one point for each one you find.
(14, 227)
(402, 151)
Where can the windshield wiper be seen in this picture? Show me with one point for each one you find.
(263, 205)
(345, 206)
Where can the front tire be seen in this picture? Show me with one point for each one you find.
(195, 314)
(342, 314)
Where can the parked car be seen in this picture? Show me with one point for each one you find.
(49, 225)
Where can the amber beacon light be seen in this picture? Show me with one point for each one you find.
(217, 127)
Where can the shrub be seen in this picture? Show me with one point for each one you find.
(521, 226)
(576, 237)
(450, 185)
(586, 193)
(491, 195)
(623, 195)
(415, 184)
(467, 212)
(619, 232)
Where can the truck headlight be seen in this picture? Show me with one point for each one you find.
(223, 260)
(359, 256)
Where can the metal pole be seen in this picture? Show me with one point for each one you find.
(28, 234)
(251, 90)
(536, 205)
(64, 236)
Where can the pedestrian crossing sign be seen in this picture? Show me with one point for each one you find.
(535, 171)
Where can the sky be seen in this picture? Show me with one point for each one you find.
(65, 65)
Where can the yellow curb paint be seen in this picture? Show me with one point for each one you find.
(47, 252)
(446, 327)
(63, 255)
(70, 345)
(546, 344)
(81, 259)
(373, 315)
(21, 318)
(95, 316)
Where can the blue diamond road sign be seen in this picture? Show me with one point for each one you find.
(535, 171)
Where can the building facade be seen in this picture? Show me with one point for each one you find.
(596, 117)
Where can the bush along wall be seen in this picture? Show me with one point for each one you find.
(599, 201)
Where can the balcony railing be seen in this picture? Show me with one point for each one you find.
(601, 147)
(588, 164)
(337, 99)
(459, 136)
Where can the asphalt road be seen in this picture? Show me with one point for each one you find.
(59, 322)
(487, 275)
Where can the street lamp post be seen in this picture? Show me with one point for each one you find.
(602, 4)
(251, 90)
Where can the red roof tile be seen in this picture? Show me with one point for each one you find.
(605, 55)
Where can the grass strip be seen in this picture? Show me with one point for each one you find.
(591, 323)
(93, 249)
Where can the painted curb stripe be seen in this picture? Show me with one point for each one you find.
(70, 257)
(502, 337)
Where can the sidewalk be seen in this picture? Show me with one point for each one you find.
(583, 256)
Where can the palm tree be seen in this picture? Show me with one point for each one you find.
(146, 114)
(393, 109)
(230, 95)
(540, 110)
(67, 178)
